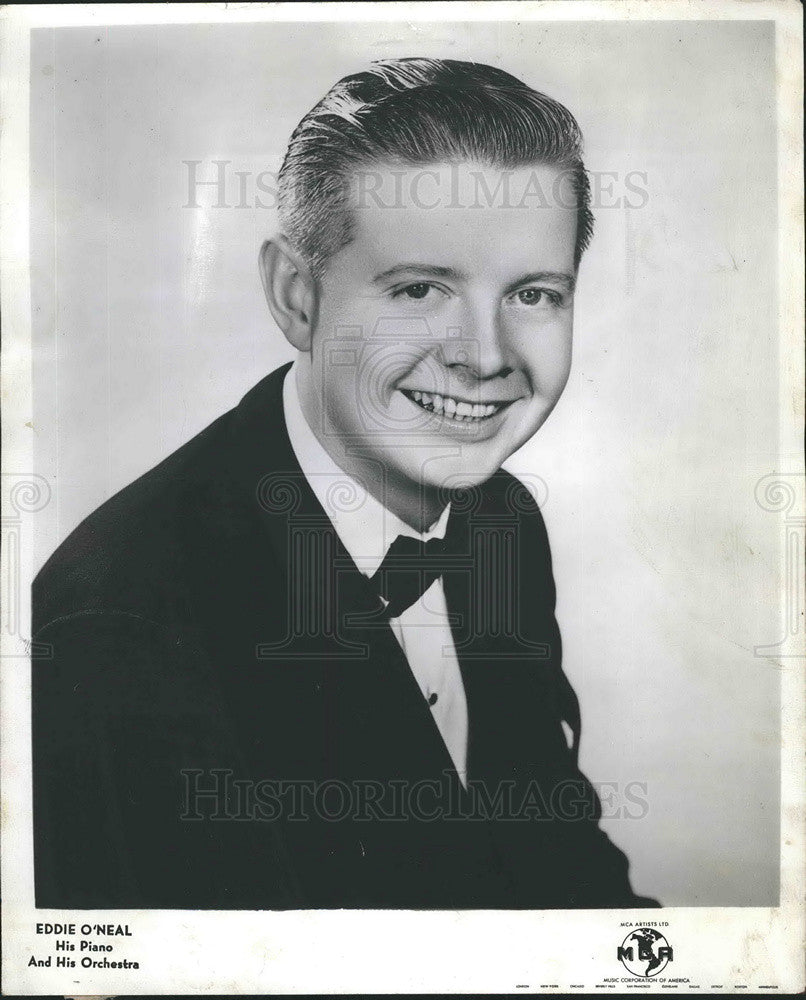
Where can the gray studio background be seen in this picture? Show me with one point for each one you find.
(149, 321)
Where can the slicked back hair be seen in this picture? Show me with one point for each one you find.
(417, 112)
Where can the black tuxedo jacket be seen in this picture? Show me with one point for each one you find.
(222, 718)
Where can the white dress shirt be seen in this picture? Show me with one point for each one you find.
(367, 529)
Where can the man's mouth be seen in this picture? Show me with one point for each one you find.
(459, 410)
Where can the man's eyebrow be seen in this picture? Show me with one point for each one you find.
(426, 270)
(566, 281)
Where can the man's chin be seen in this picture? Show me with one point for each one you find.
(462, 479)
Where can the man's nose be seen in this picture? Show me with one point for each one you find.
(478, 344)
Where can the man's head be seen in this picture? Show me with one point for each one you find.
(415, 112)
(434, 215)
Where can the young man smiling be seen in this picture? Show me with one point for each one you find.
(311, 659)
(461, 321)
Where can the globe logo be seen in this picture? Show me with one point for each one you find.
(645, 952)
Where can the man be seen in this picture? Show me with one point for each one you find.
(311, 659)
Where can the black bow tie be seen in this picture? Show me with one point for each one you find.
(407, 571)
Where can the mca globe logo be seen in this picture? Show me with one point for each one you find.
(645, 952)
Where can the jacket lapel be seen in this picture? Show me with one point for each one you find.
(317, 620)
(506, 638)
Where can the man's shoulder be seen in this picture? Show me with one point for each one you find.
(510, 493)
(506, 503)
(506, 496)
(129, 555)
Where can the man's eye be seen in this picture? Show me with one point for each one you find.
(534, 296)
(418, 290)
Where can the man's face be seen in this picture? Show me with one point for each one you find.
(443, 338)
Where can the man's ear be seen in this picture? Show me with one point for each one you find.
(291, 291)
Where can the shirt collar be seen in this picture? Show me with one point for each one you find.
(365, 527)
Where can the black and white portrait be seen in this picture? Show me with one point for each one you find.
(405, 408)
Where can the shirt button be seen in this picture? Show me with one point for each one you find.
(432, 698)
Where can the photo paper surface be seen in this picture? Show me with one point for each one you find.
(403, 499)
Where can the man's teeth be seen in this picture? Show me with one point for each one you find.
(454, 408)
